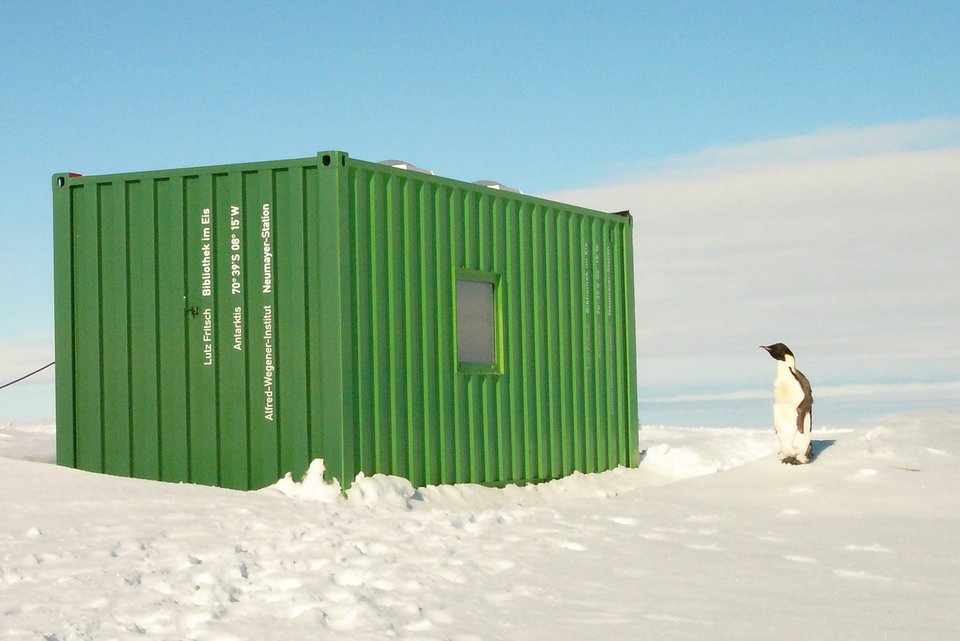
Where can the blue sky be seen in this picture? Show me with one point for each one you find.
(554, 98)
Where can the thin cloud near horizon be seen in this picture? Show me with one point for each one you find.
(841, 245)
(819, 145)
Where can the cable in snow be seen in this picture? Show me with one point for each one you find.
(36, 371)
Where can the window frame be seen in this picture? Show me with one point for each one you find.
(493, 278)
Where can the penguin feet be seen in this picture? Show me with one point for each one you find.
(794, 460)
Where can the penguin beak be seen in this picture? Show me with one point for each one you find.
(766, 347)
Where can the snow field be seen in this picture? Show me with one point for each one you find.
(710, 537)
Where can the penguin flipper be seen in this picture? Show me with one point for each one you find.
(805, 408)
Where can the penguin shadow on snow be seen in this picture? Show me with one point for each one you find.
(818, 446)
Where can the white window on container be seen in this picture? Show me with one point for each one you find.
(477, 324)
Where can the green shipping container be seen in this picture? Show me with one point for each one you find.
(225, 325)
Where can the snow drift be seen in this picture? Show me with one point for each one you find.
(711, 538)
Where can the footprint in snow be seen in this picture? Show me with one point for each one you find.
(670, 530)
(348, 578)
(631, 573)
(497, 598)
(705, 518)
(496, 565)
(669, 618)
(572, 545)
(769, 539)
(451, 576)
(859, 574)
(421, 625)
(876, 547)
(799, 559)
(340, 596)
(285, 584)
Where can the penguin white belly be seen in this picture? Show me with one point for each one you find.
(787, 396)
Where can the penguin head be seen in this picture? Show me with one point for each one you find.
(778, 350)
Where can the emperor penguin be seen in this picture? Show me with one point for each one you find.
(792, 407)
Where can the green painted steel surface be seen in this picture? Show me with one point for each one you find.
(224, 325)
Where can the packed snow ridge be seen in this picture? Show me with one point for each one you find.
(710, 538)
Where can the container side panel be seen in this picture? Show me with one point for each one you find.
(538, 320)
(88, 326)
(613, 355)
(205, 286)
(446, 341)
(511, 291)
(528, 342)
(474, 395)
(590, 347)
(488, 430)
(63, 269)
(599, 350)
(279, 406)
(560, 397)
(610, 348)
(620, 350)
(315, 301)
(173, 318)
(302, 191)
(262, 253)
(460, 388)
(429, 337)
(600, 320)
(232, 220)
(413, 348)
(490, 427)
(485, 431)
(629, 321)
(578, 346)
(291, 324)
(142, 291)
(396, 324)
(361, 228)
(552, 380)
(200, 324)
(469, 405)
(564, 352)
(379, 294)
(115, 336)
(347, 423)
(502, 440)
(335, 316)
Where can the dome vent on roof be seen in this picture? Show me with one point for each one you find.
(492, 184)
(403, 164)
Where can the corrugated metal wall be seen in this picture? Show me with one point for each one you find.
(224, 325)
(564, 399)
(181, 310)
